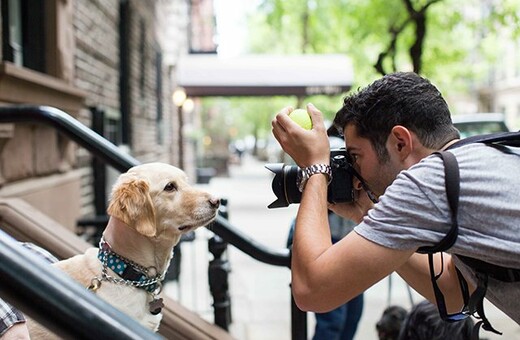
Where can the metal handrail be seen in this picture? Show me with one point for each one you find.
(73, 129)
(112, 155)
(57, 301)
(121, 161)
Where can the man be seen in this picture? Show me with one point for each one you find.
(391, 129)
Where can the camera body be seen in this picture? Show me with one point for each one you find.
(340, 189)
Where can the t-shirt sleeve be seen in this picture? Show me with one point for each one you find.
(413, 211)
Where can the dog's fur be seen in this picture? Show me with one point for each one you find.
(151, 206)
(424, 323)
(389, 325)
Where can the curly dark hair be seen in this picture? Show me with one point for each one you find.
(402, 98)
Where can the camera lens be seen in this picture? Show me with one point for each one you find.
(284, 185)
(340, 189)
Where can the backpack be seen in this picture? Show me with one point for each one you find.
(483, 270)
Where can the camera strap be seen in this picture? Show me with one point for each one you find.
(364, 185)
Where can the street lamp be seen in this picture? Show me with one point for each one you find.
(179, 100)
(179, 97)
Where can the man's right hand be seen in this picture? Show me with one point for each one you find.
(306, 147)
(354, 211)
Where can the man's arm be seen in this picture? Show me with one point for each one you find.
(325, 276)
(416, 273)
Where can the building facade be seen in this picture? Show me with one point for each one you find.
(103, 62)
(501, 93)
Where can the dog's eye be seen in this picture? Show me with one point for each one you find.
(170, 187)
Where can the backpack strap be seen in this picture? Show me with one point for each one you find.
(452, 179)
(505, 138)
(483, 270)
(475, 304)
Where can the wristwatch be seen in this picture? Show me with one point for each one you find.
(305, 173)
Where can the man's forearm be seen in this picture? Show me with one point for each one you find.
(311, 234)
(416, 273)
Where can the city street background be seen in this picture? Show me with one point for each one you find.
(260, 293)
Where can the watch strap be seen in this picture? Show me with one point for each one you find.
(306, 173)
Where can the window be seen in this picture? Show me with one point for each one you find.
(38, 35)
(23, 32)
(37, 65)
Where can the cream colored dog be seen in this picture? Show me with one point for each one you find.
(151, 206)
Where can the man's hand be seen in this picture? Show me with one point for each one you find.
(356, 210)
(306, 147)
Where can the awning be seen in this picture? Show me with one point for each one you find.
(264, 75)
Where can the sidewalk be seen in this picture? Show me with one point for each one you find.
(260, 293)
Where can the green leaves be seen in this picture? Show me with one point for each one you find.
(459, 44)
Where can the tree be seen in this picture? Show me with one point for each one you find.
(417, 17)
(431, 37)
(452, 42)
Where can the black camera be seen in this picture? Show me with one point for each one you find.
(340, 188)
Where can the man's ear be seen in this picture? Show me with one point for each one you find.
(400, 141)
(131, 202)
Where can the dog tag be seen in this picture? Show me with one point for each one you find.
(156, 306)
(94, 284)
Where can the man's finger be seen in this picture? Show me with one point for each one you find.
(315, 114)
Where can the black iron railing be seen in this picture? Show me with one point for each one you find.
(62, 305)
(112, 155)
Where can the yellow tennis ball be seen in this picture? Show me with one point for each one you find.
(302, 118)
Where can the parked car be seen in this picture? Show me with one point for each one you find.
(479, 123)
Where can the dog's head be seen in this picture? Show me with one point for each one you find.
(390, 323)
(424, 322)
(156, 200)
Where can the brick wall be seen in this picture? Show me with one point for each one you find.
(39, 152)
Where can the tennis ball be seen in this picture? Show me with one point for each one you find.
(302, 118)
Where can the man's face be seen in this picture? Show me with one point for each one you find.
(378, 175)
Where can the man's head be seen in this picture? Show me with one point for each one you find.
(399, 107)
(402, 98)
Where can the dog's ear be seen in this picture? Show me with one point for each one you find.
(131, 202)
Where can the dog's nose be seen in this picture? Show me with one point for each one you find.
(214, 202)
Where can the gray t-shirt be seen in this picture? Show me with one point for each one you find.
(414, 212)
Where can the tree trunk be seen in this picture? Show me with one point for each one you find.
(417, 48)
